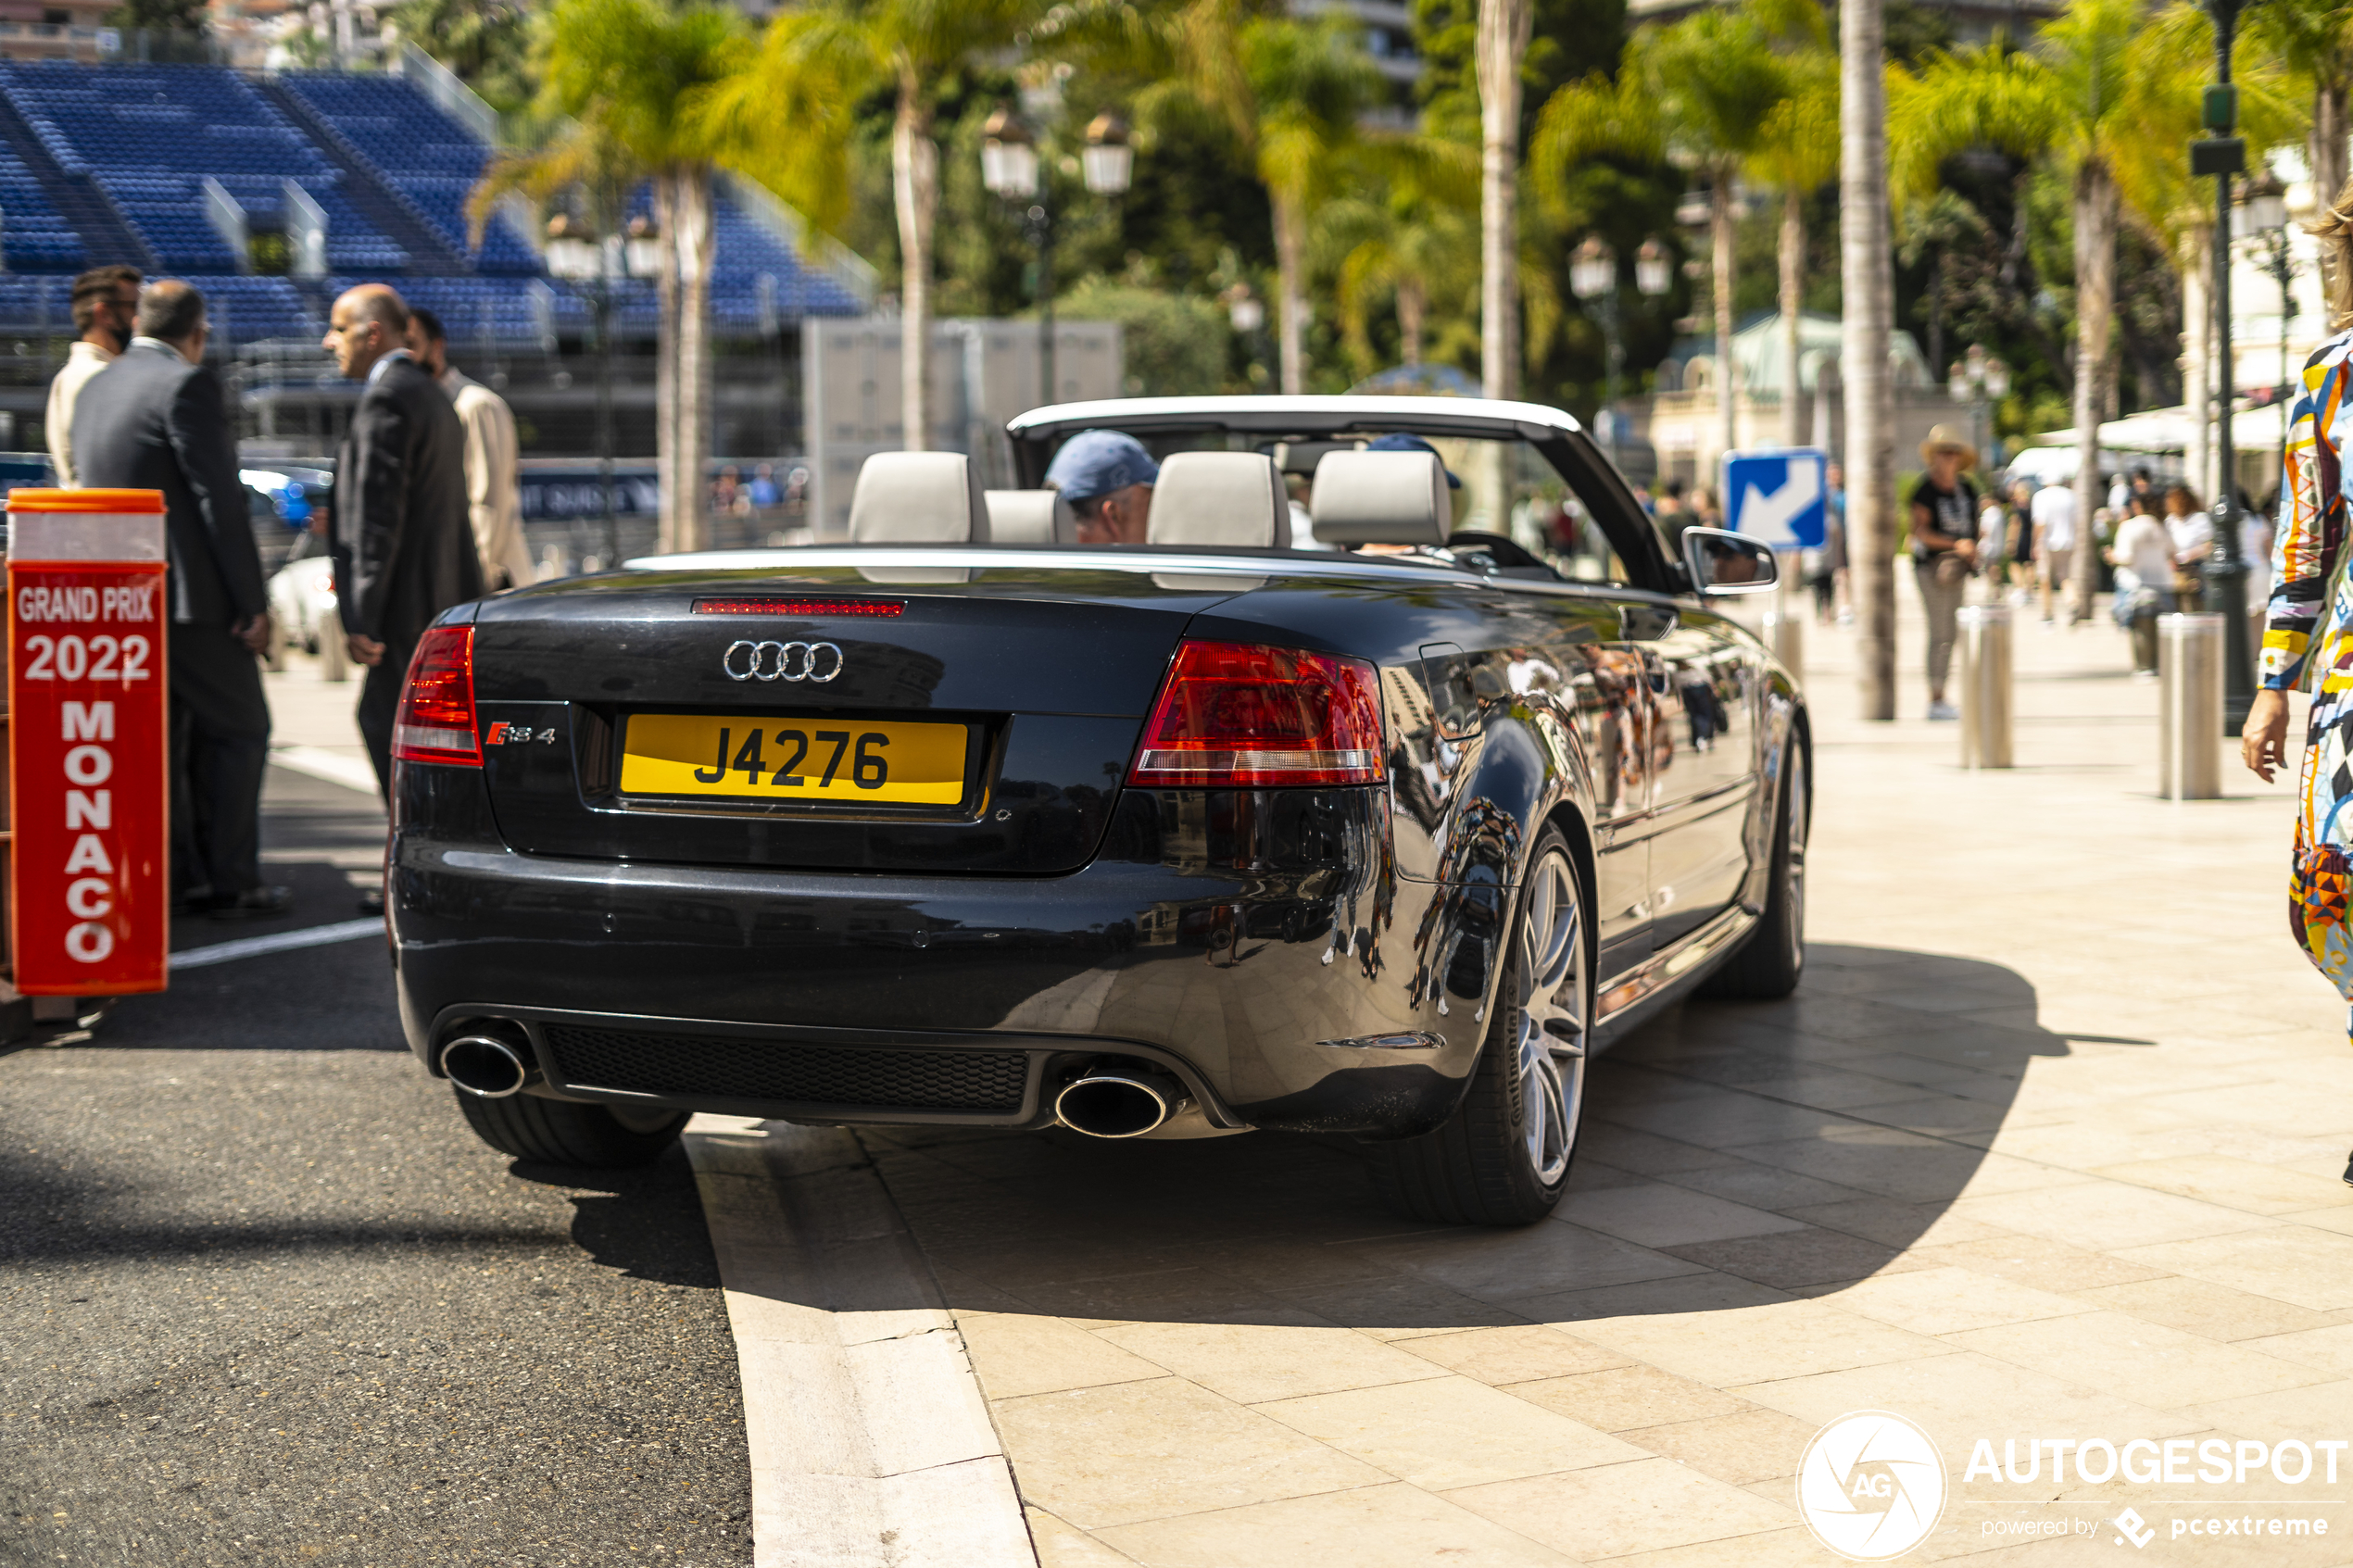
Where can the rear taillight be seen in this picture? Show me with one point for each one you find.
(1235, 715)
(437, 719)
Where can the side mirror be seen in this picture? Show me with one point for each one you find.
(1721, 562)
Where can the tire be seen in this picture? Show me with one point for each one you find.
(563, 1132)
(1770, 963)
(1503, 1158)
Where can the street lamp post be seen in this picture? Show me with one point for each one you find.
(1592, 275)
(575, 257)
(2221, 155)
(2262, 217)
(1011, 169)
(1981, 381)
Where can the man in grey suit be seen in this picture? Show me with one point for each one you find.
(404, 544)
(156, 419)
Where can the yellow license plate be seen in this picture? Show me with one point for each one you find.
(748, 758)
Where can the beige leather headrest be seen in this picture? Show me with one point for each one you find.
(918, 498)
(1219, 498)
(1380, 498)
(1030, 517)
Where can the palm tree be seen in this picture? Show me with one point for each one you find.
(1308, 82)
(2164, 97)
(1699, 94)
(2314, 39)
(1504, 30)
(1289, 91)
(2086, 95)
(823, 58)
(630, 76)
(1867, 291)
(1797, 155)
(1410, 236)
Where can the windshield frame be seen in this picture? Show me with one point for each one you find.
(1608, 498)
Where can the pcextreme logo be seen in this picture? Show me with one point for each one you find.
(1871, 1486)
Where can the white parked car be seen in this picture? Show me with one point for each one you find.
(302, 614)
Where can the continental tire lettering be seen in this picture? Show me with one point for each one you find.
(90, 809)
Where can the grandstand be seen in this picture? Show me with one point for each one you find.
(173, 167)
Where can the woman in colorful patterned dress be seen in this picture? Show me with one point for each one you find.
(2307, 634)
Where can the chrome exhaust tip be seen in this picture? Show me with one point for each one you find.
(487, 1066)
(1118, 1104)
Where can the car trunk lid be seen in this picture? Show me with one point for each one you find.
(822, 719)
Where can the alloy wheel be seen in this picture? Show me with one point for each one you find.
(1551, 1047)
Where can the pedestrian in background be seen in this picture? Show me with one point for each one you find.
(2019, 523)
(105, 299)
(2143, 555)
(155, 418)
(404, 550)
(1943, 514)
(2053, 513)
(1993, 543)
(493, 467)
(2193, 534)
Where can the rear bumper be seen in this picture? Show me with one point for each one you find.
(1322, 993)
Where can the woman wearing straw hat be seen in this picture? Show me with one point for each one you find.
(2308, 633)
(1944, 548)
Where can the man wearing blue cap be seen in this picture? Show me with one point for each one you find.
(1107, 478)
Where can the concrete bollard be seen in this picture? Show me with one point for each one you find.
(1785, 635)
(2189, 706)
(1982, 670)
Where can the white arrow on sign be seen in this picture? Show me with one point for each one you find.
(1767, 518)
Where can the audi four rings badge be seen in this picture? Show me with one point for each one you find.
(782, 662)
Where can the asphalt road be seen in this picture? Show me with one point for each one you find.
(264, 1298)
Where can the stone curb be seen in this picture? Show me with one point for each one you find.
(870, 1445)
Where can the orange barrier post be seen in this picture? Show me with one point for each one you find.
(89, 743)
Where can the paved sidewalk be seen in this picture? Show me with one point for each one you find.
(2045, 1146)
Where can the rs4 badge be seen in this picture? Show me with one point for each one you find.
(504, 733)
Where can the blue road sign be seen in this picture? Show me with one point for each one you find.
(1777, 498)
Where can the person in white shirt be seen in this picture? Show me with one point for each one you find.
(105, 300)
(494, 489)
(2142, 553)
(1994, 542)
(2052, 511)
(2193, 535)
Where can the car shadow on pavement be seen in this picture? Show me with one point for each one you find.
(646, 1224)
(1732, 1154)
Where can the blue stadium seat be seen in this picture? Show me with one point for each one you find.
(146, 136)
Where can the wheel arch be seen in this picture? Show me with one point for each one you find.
(1570, 818)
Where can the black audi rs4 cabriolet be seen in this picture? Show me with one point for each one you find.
(1381, 784)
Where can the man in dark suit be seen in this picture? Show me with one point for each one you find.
(404, 544)
(154, 419)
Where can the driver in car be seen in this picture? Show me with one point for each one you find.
(1107, 478)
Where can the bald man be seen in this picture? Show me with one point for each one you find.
(404, 545)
